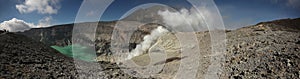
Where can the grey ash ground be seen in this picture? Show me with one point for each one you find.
(265, 50)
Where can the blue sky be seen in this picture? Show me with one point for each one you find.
(235, 13)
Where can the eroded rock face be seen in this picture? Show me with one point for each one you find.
(266, 50)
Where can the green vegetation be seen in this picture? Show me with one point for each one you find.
(79, 52)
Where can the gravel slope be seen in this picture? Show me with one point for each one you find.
(268, 50)
(263, 53)
(23, 58)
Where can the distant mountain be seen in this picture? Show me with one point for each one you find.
(285, 24)
(281, 24)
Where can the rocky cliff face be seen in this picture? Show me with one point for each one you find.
(266, 50)
(61, 35)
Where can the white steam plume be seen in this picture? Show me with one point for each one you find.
(148, 41)
(178, 22)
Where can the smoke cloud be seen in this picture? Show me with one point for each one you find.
(180, 21)
(15, 25)
(41, 6)
(45, 22)
(148, 41)
(183, 21)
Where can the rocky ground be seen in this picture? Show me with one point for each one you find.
(263, 51)
(23, 58)
(267, 50)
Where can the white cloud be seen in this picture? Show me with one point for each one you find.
(45, 22)
(180, 21)
(91, 13)
(274, 1)
(293, 3)
(148, 41)
(41, 6)
(15, 25)
(288, 3)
